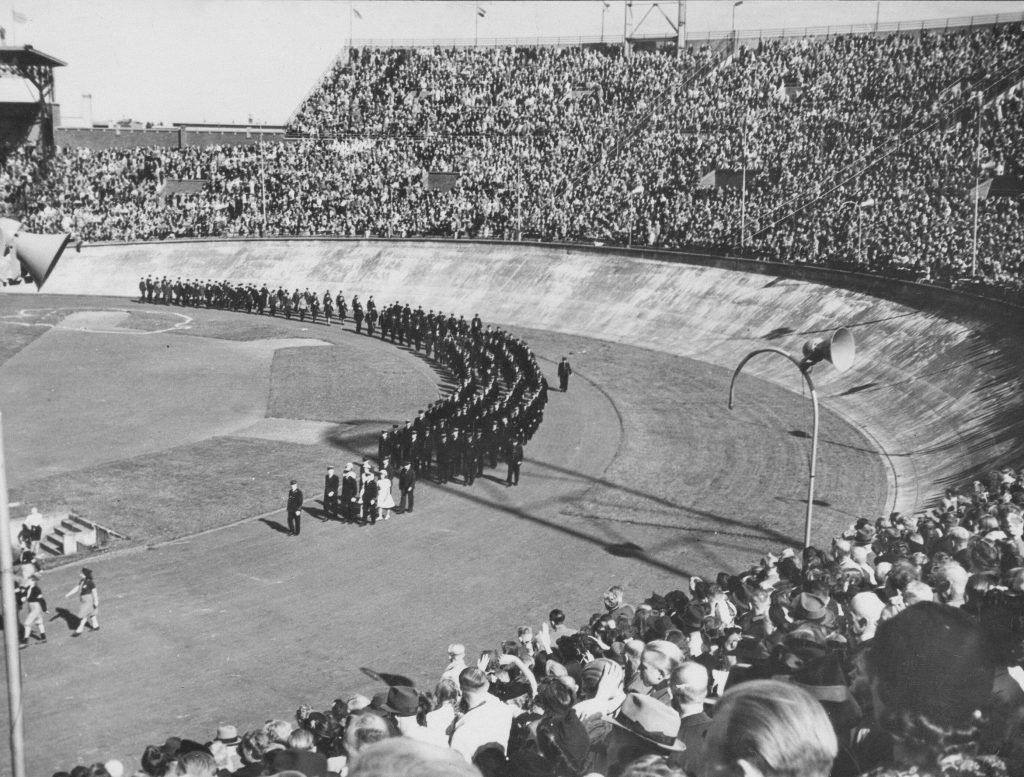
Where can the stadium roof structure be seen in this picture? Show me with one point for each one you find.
(23, 57)
(36, 68)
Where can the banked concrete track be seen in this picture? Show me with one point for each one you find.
(938, 379)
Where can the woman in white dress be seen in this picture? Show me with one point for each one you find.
(385, 501)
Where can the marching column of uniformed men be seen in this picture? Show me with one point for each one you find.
(496, 407)
(232, 296)
(494, 410)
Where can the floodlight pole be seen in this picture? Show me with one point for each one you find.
(10, 621)
(977, 186)
(805, 371)
(743, 196)
(263, 185)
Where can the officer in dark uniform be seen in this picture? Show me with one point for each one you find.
(294, 509)
(384, 445)
(331, 484)
(515, 460)
(357, 314)
(564, 371)
(406, 487)
(470, 459)
(443, 455)
(349, 493)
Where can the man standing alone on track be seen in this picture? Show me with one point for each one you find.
(515, 460)
(330, 494)
(294, 509)
(564, 371)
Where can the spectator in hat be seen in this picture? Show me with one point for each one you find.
(485, 719)
(224, 747)
(642, 726)
(404, 702)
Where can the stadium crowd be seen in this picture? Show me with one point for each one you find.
(583, 144)
(895, 651)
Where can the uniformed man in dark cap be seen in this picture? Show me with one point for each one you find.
(294, 509)
(331, 484)
(564, 371)
(349, 493)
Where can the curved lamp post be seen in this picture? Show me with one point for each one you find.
(838, 349)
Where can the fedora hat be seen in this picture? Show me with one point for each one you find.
(811, 607)
(228, 735)
(651, 720)
(402, 700)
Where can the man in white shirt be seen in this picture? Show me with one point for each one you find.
(487, 720)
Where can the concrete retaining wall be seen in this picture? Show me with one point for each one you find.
(937, 383)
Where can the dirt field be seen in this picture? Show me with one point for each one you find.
(640, 475)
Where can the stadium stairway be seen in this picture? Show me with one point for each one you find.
(937, 384)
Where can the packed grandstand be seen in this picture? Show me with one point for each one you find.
(896, 649)
(583, 144)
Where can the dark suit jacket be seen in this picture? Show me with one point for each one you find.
(692, 730)
(406, 479)
(310, 764)
(294, 500)
(349, 487)
(331, 484)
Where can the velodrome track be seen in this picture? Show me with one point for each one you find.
(241, 624)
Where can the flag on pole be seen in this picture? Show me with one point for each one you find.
(737, 3)
(19, 17)
(481, 12)
(355, 13)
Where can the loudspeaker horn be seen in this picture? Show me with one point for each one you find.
(8, 229)
(38, 254)
(838, 349)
